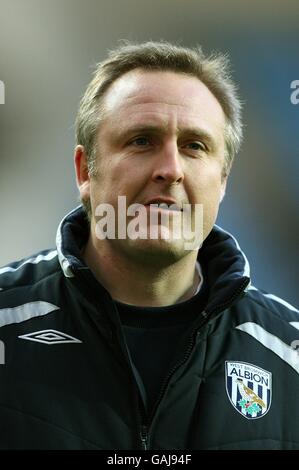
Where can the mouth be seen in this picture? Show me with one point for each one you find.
(163, 204)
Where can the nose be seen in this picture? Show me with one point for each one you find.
(168, 165)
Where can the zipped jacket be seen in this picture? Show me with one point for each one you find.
(67, 381)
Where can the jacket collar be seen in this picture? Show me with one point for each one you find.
(225, 266)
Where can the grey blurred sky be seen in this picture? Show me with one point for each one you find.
(47, 53)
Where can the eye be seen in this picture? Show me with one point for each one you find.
(196, 146)
(140, 141)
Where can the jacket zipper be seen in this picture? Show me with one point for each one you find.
(145, 428)
(144, 437)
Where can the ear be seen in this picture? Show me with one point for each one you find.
(82, 174)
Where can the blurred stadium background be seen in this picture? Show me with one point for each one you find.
(47, 52)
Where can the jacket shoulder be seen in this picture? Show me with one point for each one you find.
(272, 303)
(29, 271)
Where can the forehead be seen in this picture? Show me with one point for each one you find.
(162, 96)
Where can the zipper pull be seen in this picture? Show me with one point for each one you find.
(144, 436)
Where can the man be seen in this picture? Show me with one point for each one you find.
(128, 336)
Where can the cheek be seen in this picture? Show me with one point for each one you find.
(129, 176)
(207, 190)
(116, 169)
(206, 186)
(211, 206)
(113, 181)
(211, 202)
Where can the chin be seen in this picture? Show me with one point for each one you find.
(156, 252)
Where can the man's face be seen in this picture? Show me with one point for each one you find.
(162, 138)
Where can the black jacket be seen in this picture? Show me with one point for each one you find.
(66, 381)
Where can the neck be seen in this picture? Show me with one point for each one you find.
(134, 282)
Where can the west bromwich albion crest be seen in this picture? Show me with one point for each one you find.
(249, 388)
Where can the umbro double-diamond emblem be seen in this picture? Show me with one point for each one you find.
(50, 337)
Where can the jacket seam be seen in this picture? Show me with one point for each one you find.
(43, 279)
(266, 308)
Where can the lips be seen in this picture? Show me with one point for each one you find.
(164, 203)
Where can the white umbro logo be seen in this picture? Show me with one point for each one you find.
(50, 337)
